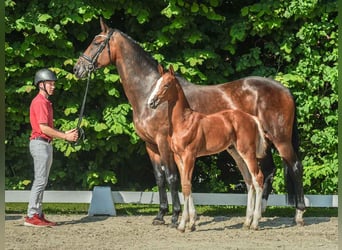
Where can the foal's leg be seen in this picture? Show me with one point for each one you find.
(268, 168)
(250, 205)
(185, 165)
(240, 163)
(258, 203)
(192, 214)
(185, 214)
(247, 150)
(254, 193)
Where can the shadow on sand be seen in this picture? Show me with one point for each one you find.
(266, 223)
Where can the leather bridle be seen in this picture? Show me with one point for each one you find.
(92, 61)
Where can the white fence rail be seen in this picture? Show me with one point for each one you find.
(153, 198)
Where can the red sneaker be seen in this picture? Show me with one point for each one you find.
(35, 221)
(42, 217)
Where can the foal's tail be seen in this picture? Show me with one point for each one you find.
(261, 143)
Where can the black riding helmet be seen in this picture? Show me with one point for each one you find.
(44, 75)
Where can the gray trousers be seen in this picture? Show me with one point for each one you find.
(42, 153)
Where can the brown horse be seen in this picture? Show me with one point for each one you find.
(265, 98)
(193, 134)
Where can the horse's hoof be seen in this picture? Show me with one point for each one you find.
(173, 225)
(157, 221)
(182, 230)
(246, 227)
(192, 228)
(256, 228)
(299, 223)
(298, 219)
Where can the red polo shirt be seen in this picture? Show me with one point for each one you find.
(40, 112)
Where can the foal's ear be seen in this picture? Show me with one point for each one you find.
(160, 69)
(171, 70)
(104, 26)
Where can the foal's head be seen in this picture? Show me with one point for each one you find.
(164, 89)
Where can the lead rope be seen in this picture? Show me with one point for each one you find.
(81, 135)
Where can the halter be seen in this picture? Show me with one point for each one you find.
(92, 61)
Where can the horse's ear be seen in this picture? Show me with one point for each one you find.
(160, 69)
(171, 70)
(104, 26)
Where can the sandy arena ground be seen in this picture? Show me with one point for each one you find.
(137, 232)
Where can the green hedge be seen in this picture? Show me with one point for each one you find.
(210, 41)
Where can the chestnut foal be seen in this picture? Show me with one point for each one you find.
(193, 134)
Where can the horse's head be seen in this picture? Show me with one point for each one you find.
(97, 55)
(163, 88)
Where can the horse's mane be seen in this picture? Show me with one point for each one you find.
(141, 54)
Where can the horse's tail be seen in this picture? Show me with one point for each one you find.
(261, 143)
(289, 182)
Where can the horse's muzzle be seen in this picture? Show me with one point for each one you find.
(81, 69)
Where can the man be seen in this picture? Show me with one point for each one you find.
(43, 132)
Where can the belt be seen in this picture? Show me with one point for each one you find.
(42, 139)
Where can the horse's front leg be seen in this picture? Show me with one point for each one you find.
(173, 180)
(171, 174)
(159, 175)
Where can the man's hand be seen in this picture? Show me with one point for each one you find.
(71, 135)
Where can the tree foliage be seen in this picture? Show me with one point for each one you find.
(209, 41)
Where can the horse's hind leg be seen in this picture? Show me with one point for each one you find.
(294, 179)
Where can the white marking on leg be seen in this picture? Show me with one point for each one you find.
(192, 213)
(250, 206)
(185, 215)
(258, 202)
(299, 217)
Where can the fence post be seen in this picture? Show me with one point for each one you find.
(101, 202)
